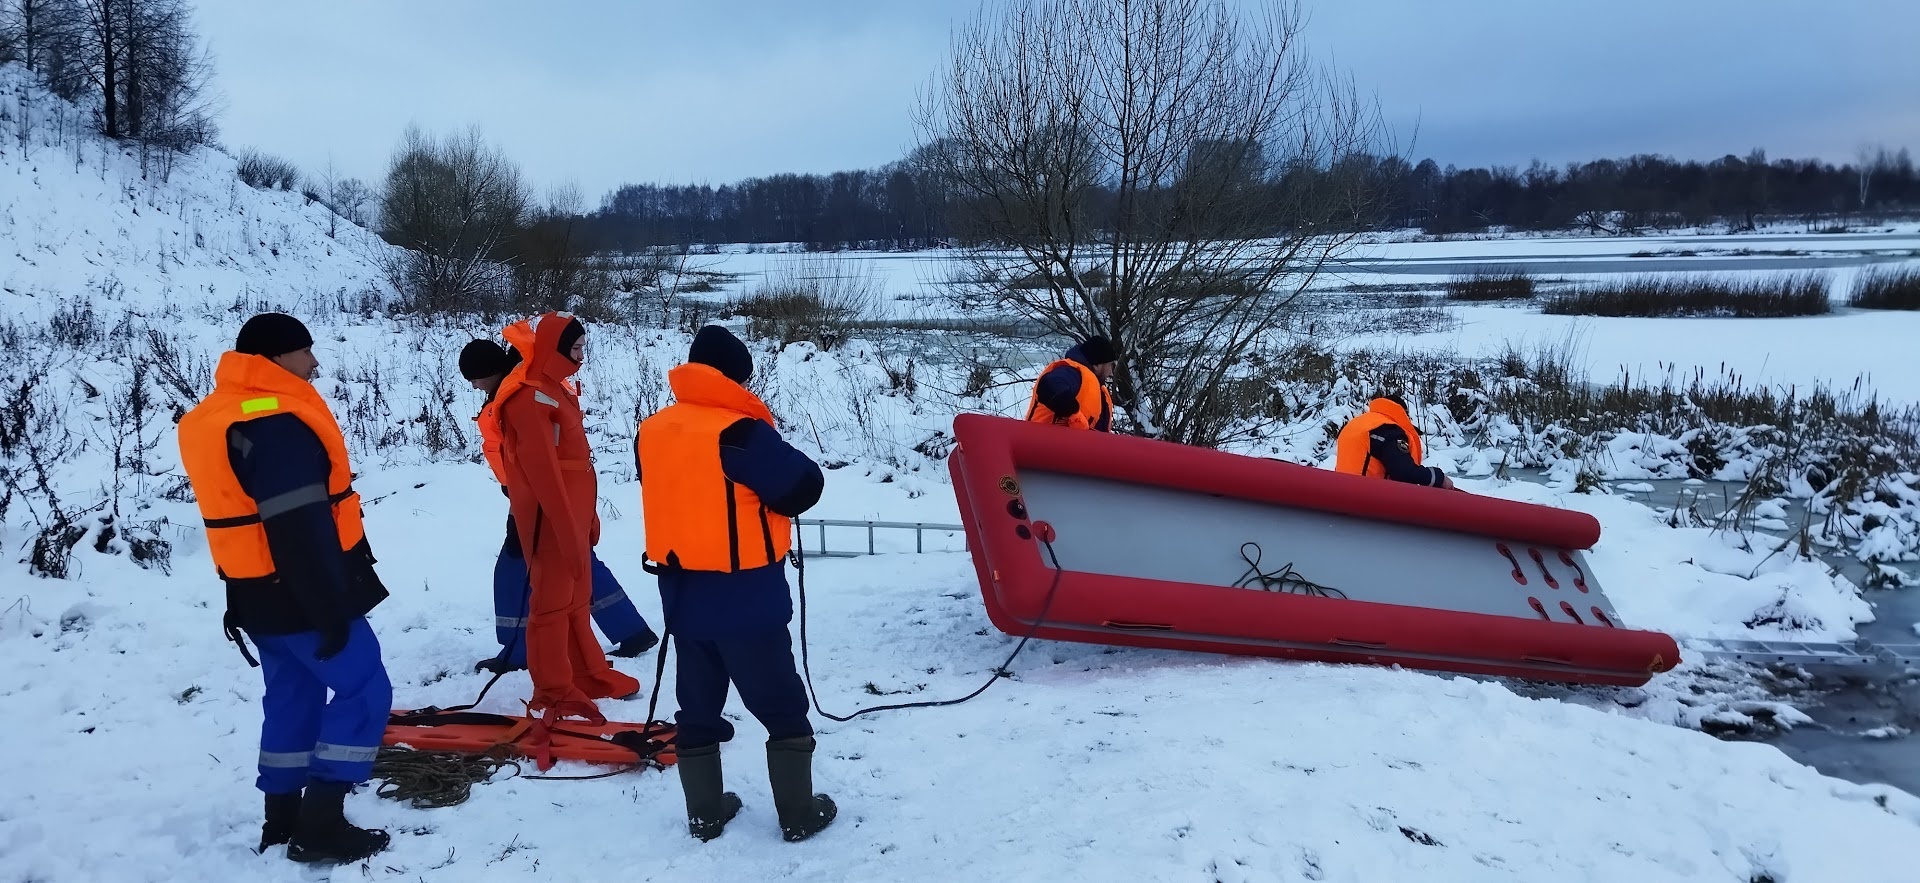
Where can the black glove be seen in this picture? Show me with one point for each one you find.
(332, 641)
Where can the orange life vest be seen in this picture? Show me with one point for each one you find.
(1095, 403)
(697, 517)
(248, 387)
(1354, 450)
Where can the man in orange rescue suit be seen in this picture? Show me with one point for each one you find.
(718, 489)
(485, 365)
(1073, 391)
(1382, 443)
(552, 491)
(270, 473)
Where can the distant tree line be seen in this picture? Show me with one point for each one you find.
(138, 59)
(905, 205)
(1645, 192)
(899, 205)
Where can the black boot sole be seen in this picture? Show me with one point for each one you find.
(704, 830)
(827, 814)
(315, 856)
(623, 652)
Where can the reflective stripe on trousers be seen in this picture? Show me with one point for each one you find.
(345, 753)
(289, 760)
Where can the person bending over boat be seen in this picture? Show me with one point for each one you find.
(1383, 443)
(1073, 392)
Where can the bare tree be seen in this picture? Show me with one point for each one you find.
(103, 32)
(324, 188)
(1872, 159)
(354, 200)
(169, 100)
(33, 27)
(454, 205)
(1167, 173)
(47, 35)
(552, 268)
(143, 60)
(10, 48)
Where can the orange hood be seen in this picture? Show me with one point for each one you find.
(704, 385)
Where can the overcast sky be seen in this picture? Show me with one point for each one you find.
(601, 92)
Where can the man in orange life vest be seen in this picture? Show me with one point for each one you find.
(485, 365)
(1382, 443)
(1073, 390)
(718, 489)
(270, 474)
(552, 492)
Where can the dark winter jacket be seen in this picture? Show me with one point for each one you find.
(1059, 390)
(705, 605)
(324, 589)
(1387, 443)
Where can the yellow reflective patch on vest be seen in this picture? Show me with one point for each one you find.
(255, 406)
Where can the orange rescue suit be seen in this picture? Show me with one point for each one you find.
(1095, 402)
(1354, 454)
(248, 387)
(696, 517)
(548, 471)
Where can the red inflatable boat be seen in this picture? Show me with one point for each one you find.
(1164, 545)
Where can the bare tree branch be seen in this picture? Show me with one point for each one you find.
(1170, 174)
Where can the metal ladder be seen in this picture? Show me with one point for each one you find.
(1858, 653)
(919, 529)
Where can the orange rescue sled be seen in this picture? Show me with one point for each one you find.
(473, 732)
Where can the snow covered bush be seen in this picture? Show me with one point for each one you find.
(263, 172)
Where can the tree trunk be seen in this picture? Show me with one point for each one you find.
(109, 72)
(135, 103)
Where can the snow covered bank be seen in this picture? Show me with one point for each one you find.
(1869, 346)
(1091, 763)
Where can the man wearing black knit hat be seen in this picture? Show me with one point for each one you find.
(1073, 391)
(719, 487)
(486, 365)
(271, 477)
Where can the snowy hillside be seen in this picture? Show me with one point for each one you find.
(136, 723)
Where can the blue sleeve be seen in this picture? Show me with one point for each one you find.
(1386, 445)
(1059, 390)
(283, 466)
(753, 453)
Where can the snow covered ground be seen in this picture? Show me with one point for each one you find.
(135, 723)
(1091, 763)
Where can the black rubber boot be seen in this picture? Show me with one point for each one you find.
(636, 644)
(498, 665)
(790, 770)
(324, 836)
(283, 815)
(709, 808)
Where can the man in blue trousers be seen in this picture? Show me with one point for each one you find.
(270, 474)
(488, 367)
(719, 488)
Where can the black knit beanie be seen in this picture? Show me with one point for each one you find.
(1098, 351)
(483, 358)
(272, 334)
(716, 347)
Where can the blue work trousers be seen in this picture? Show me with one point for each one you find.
(612, 610)
(304, 734)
